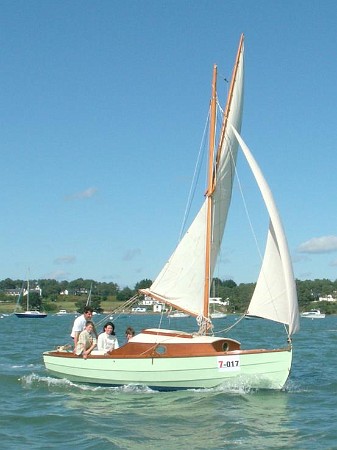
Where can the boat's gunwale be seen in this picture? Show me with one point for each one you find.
(151, 353)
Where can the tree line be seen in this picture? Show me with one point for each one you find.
(238, 295)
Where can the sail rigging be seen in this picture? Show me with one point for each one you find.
(185, 280)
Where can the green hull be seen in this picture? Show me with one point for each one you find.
(259, 369)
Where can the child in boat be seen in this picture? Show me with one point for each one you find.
(129, 333)
(87, 340)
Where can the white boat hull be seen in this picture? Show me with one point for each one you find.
(177, 315)
(316, 316)
(31, 315)
(313, 314)
(218, 315)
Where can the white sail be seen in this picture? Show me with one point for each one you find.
(225, 170)
(181, 282)
(275, 296)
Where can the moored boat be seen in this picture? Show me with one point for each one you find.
(177, 314)
(313, 314)
(29, 313)
(218, 315)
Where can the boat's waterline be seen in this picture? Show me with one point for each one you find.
(257, 369)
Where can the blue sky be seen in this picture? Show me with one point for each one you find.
(103, 106)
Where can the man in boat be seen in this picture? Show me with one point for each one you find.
(79, 324)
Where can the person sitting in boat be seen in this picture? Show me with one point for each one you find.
(87, 340)
(79, 324)
(107, 340)
(129, 333)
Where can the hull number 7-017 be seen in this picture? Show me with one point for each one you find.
(229, 363)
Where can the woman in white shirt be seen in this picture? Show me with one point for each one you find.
(107, 340)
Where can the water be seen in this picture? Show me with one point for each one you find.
(40, 412)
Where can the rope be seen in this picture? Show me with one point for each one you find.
(119, 310)
(205, 325)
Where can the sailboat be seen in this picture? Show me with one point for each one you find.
(167, 359)
(89, 296)
(214, 312)
(29, 313)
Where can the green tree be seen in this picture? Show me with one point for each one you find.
(143, 284)
(125, 294)
(49, 287)
(35, 301)
(8, 284)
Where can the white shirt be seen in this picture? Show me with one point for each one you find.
(79, 325)
(107, 342)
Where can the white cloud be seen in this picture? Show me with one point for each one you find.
(67, 259)
(57, 275)
(323, 244)
(87, 193)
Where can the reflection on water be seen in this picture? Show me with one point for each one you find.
(196, 419)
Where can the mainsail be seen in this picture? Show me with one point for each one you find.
(181, 282)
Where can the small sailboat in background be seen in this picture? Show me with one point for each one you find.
(29, 313)
(216, 313)
(89, 296)
(171, 359)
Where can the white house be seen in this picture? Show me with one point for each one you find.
(327, 298)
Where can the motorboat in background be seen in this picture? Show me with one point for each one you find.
(177, 314)
(313, 314)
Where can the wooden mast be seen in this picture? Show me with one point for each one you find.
(211, 171)
(210, 189)
(229, 99)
